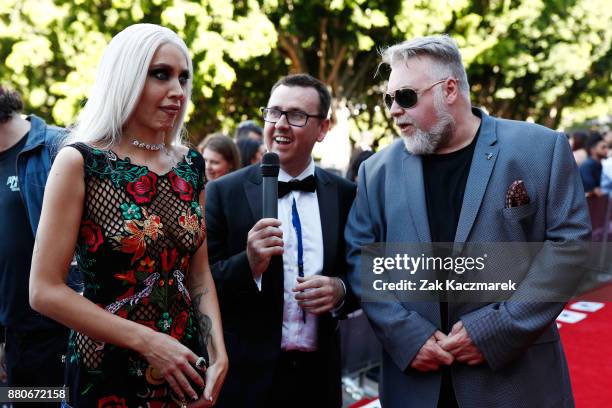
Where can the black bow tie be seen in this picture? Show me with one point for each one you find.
(308, 184)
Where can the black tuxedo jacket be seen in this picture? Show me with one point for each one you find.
(252, 319)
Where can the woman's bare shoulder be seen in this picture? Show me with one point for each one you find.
(69, 159)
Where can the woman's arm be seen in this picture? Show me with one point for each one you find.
(53, 250)
(206, 310)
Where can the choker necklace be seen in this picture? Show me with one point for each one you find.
(147, 146)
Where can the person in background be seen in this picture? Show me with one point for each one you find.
(129, 196)
(607, 137)
(31, 355)
(220, 155)
(359, 157)
(606, 166)
(251, 151)
(591, 168)
(248, 129)
(577, 141)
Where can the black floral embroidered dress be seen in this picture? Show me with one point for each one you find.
(138, 233)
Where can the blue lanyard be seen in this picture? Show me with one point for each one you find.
(297, 225)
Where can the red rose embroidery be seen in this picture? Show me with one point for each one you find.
(91, 234)
(143, 189)
(179, 323)
(112, 401)
(182, 187)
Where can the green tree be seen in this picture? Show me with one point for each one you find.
(51, 48)
(534, 59)
(545, 60)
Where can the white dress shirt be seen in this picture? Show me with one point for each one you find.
(296, 334)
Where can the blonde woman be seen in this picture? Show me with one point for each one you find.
(128, 196)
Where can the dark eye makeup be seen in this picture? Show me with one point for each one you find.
(164, 74)
(160, 73)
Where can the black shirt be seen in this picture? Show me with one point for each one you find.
(445, 177)
(16, 244)
(16, 240)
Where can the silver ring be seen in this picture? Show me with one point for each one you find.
(200, 363)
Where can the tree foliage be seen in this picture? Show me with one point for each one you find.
(545, 60)
(51, 48)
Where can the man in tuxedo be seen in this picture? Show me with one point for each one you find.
(280, 281)
(461, 176)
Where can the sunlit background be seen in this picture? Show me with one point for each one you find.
(543, 61)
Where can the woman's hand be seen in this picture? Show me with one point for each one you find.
(215, 376)
(173, 361)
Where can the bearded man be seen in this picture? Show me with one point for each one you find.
(461, 176)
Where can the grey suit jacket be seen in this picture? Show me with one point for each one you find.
(525, 364)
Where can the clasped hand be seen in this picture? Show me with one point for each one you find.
(441, 349)
(175, 363)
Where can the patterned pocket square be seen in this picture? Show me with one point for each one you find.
(517, 194)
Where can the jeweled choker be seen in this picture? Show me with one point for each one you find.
(148, 146)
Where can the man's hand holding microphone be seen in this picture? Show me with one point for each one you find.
(315, 294)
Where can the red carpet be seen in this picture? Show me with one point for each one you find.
(588, 348)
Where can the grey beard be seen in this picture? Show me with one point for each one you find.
(428, 142)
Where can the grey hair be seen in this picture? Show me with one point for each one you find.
(441, 49)
(119, 82)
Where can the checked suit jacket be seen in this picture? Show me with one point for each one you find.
(525, 364)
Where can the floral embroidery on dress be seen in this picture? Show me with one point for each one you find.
(185, 170)
(138, 234)
(128, 277)
(112, 401)
(144, 188)
(131, 211)
(196, 208)
(179, 324)
(181, 186)
(146, 265)
(168, 258)
(91, 234)
(135, 243)
(189, 222)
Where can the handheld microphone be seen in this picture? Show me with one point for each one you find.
(269, 174)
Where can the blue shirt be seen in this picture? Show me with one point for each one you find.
(590, 172)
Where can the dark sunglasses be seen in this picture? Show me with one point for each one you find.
(407, 97)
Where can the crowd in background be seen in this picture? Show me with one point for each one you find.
(224, 154)
(593, 153)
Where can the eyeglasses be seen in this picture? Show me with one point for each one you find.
(294, 118)
(407, 97)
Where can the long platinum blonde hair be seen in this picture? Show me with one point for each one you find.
(119, 82)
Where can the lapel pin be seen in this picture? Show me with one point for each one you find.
(489, 156)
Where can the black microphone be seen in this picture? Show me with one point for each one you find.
(269, 174)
